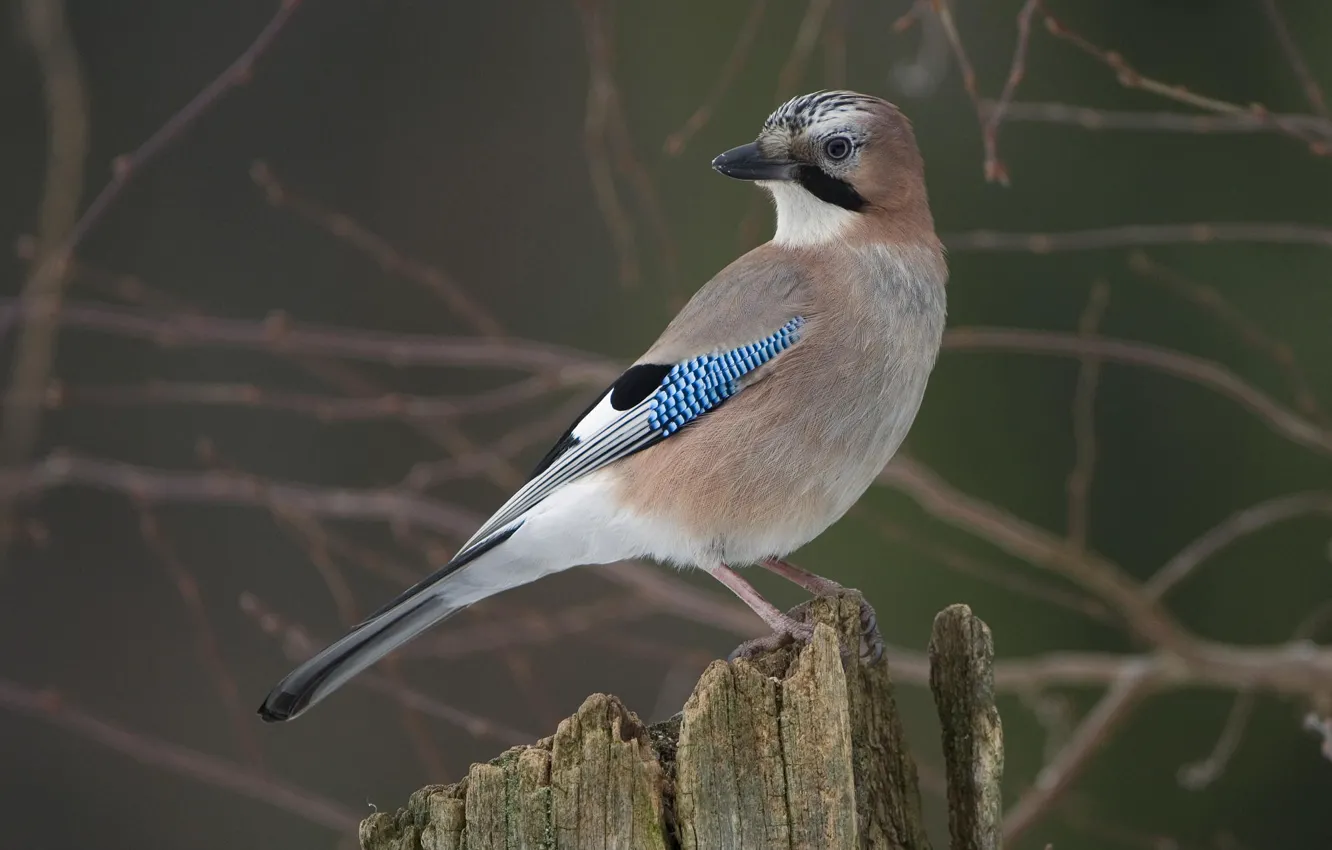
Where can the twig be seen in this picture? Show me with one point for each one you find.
(324, 408)
(921, 75)
(213, 487)
(210, 653)
(744, 41)
(1248, 521)
(834, 46)
(347, 229)
(1096, 728)
(1164, 121)
(1129, 77)
(1106, 579)
(1312, 91)
(51, 707)
(944, 14)
(67, 146)
(334, 374)
(600, 100)
(1200, 774)
(960, 562)
(1296, 668)
(807, 38)
(1137, 235)
(533, 628)
(995, 171)
(279, 335)
(1084, 421)
(1249, 331)
(1205, 373)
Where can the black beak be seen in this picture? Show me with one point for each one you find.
(748, 163)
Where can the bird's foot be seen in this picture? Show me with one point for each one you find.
(795, 629)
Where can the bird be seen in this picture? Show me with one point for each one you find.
(759, 416)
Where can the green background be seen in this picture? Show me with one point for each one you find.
(456, 130)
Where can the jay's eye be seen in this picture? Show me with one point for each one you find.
(838, 147)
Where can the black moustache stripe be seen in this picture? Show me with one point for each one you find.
(825, 187)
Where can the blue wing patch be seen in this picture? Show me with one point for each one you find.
(648, 404)
(696, 386)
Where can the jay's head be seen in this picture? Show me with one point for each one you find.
(833, 159)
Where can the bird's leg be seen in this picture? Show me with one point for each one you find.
(815, 584)
(784, 627)
(871, 642)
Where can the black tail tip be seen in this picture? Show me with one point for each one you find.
(280, 706)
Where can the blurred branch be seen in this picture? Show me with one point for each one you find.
(50, 707)
(601, 94)
(1156, 120)
(216, 487)
(1040, 548)
(1129, 77)
(209, 649)
(1248, 521)
(570, 366)
(1202, 773)
(346, 229)
(278, 335)
(744, 42)
(324, 408)
(1312, 91)
(1205, 373)
(1131, 235)
(67, 146)
(60, 235)
(1090, 735)
(802, 48)
(964, 564)
(1084, 421)
(1211, 300)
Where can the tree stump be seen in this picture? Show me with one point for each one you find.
(796, 748)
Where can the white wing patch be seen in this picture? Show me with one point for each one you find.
(596, 419)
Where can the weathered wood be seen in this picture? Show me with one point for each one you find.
(962, 679)
(801, 747)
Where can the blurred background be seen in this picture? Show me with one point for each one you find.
(264, 413)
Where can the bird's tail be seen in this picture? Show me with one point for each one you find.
(446, 592)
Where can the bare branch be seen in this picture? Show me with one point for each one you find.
(1249, 331)
(1157, 120)
(348, 230)
(210, 653)
(1205, 373)
(67, 146)
(278, 335)
(807, 38)
(1312, 91)
(51, 707)
(1248, 521)
(1096, 728)
(215, 487)
(324, 408)
(1129, 77)
(1200, 774)
(744, 42)
(990, 121)
(601, 90)
(1084, 421)
(1136, 235)
(1042, 549)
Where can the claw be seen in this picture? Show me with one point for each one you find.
(800, 633)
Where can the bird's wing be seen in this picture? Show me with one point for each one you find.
(647, 404)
